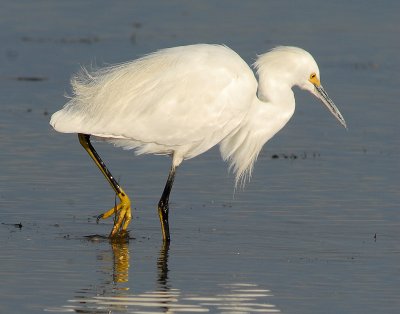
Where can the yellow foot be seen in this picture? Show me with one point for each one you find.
(123, 216)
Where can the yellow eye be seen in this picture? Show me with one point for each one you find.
(314, 79)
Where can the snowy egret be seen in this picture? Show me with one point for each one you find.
(182, 101)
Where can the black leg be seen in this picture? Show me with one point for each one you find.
(84, 139)
(122, 210)
(163, 206)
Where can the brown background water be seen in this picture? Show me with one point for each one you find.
(298, 239)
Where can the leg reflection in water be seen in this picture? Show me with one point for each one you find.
(112, 291)
(162, 267)
(120, 261)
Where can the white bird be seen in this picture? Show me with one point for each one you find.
(182, 101)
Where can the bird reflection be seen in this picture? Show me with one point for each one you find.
(111, 294)
(162, 267)
(120, 250)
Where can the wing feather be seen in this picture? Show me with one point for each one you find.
(183, 96)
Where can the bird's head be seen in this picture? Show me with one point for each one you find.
(309, 80)
(295, 66)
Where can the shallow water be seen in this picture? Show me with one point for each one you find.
(315, 231)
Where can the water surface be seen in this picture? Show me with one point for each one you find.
(315, 231)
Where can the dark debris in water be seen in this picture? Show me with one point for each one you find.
(19, 226)
(96, 237)
(26, 78)
(31, 78)
(293, 156)
(136, 26)
(45, 111)
(64, 40)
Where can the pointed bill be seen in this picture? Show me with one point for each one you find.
(323, 96)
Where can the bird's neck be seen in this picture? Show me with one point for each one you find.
(275, 104)
(273, 91)
(267, 115)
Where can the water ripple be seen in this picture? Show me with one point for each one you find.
(234, 298)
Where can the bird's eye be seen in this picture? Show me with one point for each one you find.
(313, 75)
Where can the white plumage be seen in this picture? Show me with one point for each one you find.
(182, 101)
